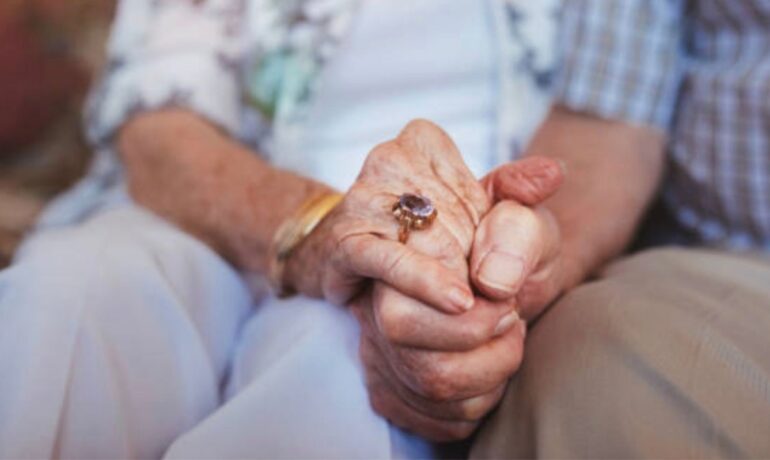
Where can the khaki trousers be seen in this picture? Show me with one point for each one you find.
(666, 355)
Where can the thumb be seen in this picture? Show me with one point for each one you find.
(508, 246)
(529, 181)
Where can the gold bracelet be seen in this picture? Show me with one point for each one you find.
(291, 233)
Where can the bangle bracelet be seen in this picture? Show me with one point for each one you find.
(291, 233)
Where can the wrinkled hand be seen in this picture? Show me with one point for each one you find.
(441, 392)
(356, 242)
(438, 374)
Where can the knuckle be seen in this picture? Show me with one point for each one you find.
(421, 125)
(436, 383)
(355, 253)
(445, 246)
(380, 153)
(392, 320)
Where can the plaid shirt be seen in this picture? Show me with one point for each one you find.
(699, 69)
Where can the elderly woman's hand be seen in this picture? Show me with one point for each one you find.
(433, 364)
(358, 240)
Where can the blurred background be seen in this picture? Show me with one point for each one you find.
(50, 50)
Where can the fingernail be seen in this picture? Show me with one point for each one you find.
(461, 298)
(501, 271)
(506, 323)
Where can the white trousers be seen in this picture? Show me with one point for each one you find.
(123, 337)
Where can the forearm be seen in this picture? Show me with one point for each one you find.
(613, 170)
(187, 171)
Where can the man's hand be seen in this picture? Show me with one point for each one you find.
(552, 246)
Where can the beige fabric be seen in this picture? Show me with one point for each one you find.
(667, 355)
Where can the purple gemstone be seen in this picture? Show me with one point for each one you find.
(419, 206)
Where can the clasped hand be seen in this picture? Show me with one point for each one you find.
(443, 317)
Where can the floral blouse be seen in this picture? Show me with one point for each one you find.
(250, 67)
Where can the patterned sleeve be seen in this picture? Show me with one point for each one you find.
(621, 59)
(162, 53)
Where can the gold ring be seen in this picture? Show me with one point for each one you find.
(413, 212)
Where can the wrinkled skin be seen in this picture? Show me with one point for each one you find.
(358, 240)
(435, 365)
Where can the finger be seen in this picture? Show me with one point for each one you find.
(465, 410)
(509, 244)
(446, 376)
(529, 181)
(411, 272)
(452, 376)
(405, 321)
(443, 243)
(386, 402)
(402, 415)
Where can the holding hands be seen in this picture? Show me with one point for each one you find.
(443, 322)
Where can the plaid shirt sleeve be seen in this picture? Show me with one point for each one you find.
(169, 53)
(621, 59)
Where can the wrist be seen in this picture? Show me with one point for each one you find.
(575, 252)
(302, 272)
(291, 238)
(580, 259)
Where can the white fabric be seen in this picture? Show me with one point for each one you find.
(114, 337)
(403, 60)
(122, 336)
(122, 331)
(300, 392)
